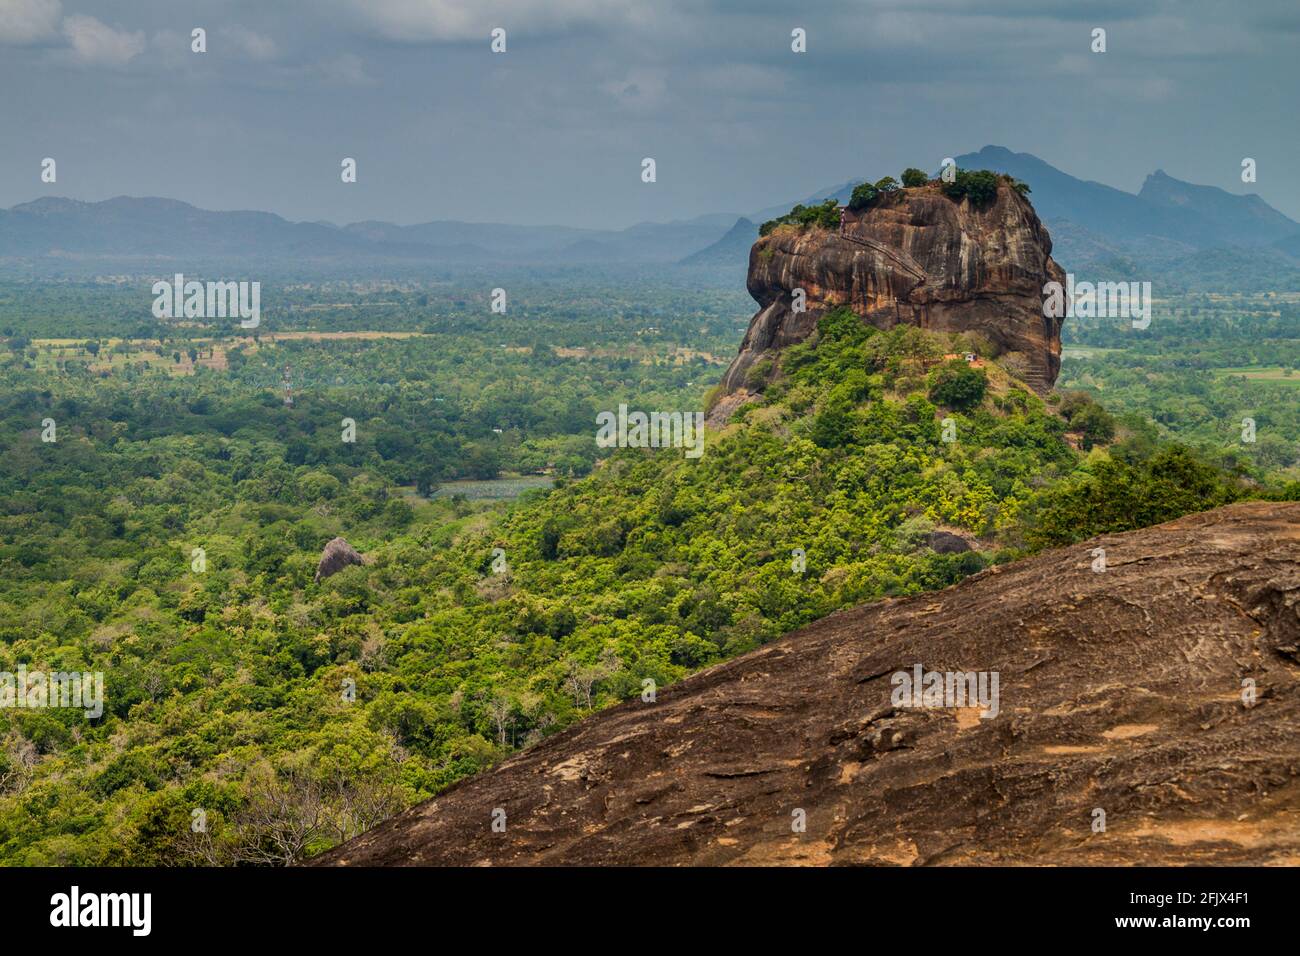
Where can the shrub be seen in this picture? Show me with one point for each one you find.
(1096, 425)
(1070, 403)
(1090, 420)
(758, 374)
(1117, 496)
(957, 385)
(913, 177)
(824, 215)
(864, 194)
(833, 425)
(980, 186)
(842, 324)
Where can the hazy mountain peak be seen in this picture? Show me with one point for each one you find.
(46, 205)
(1244, 219)
(731, 249)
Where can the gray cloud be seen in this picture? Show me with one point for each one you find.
(29, 21)
(98, 44)
(251, 44)
(555, 129)
(455, 20)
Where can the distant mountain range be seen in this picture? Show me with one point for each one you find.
(126, 233)
(1167, 219)
(1169, 226)
(1198, 236)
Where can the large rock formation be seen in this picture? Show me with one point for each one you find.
(1122, 691)
(914, 257)
(338, 554)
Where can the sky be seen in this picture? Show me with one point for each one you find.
(554, 130)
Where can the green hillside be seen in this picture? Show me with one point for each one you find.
(290, 715)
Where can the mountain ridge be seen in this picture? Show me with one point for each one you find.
(1097, 224)
(729, 250)
(1149, 227)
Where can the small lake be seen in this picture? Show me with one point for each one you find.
(493, 489)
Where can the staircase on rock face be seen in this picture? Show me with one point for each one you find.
(897, 255)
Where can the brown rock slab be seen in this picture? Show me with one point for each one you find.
(1119, 691)
(946, 542)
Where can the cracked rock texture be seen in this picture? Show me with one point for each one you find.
(1120, 691)
(915, 257)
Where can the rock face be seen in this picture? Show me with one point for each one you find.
(914, 257)
(1119, 691)
(338, 554)
(945, 542)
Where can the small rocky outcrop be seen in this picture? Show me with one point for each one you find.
(338, 554)
(913, 257)
(946, 542)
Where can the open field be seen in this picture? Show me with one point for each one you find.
(117, 354)
(494, 488)
(1085, 352)
(1265, 374)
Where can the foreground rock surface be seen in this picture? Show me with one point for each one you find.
(1119, 691)
(916, 258)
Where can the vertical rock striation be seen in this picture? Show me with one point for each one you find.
(913, 257)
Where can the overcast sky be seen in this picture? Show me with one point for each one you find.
(554, 130)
